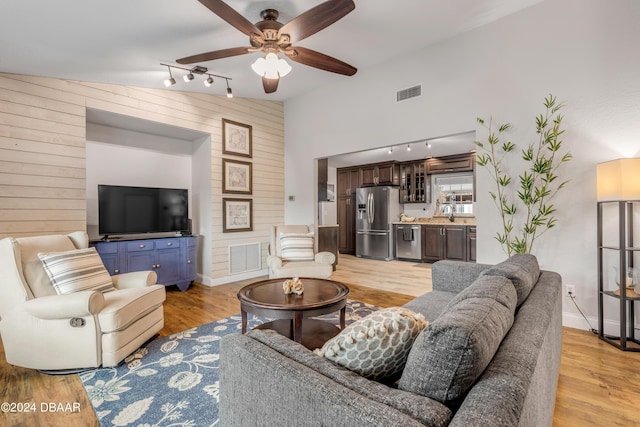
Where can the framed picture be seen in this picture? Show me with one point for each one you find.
(236, 177)
(236, 138)
(237, 215)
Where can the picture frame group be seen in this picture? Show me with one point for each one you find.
(237, 176)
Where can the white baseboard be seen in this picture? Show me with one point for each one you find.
(573, 320)
(234, 278)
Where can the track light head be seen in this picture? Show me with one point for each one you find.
(188, 77)
(390, 150)
(229, 91)
(208, 82)
(408, 147)
(169, 82)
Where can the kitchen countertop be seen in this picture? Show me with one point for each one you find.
(440, 220)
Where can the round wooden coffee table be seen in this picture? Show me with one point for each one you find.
(321, 296)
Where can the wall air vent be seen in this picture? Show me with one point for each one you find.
(244, 258)
(409, 93)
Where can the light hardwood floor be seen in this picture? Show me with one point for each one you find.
(598, 385)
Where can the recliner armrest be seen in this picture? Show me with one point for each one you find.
(274, 261)
(134, 279)
(66, 306)
(325, 257)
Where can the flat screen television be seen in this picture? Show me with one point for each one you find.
(138, 210)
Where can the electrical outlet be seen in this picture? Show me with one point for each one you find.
(571, 289)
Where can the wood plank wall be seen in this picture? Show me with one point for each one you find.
(42, 152)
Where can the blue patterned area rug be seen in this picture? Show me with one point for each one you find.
(173, 380)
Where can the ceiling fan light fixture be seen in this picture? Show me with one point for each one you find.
(271, 66)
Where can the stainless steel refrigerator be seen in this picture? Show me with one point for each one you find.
(377, 209)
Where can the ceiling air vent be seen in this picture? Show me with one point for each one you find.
(411, 92)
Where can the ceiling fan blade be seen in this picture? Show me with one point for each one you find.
(229, 14)
(319, 60)
(316, 19)
(270, 85)
(216, 54)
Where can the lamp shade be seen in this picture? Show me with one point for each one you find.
(618, 180)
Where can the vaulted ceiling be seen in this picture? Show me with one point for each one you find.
(125, 41)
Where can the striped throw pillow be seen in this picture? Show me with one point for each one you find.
(296, 247)
(76, 270)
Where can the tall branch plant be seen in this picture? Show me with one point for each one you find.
(530, 214)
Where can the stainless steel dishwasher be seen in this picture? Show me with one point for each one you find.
(408, 245)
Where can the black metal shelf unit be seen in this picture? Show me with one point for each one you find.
(626, 250)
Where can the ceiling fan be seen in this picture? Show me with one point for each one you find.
(272, 37)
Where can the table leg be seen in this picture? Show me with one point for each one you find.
(297, 326)
(343, 311)
(244, 321)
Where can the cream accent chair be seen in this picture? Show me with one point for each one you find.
(320, 267)
(43, 330)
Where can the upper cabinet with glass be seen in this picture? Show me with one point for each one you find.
(454, 194)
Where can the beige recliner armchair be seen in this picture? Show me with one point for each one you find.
(292, 254)
(43, 330)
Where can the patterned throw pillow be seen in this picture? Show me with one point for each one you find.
(296, 247)
(77, 270)
(377, 345)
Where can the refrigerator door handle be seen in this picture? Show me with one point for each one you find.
(373, 233)
(371, 209)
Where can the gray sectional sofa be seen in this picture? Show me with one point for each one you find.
(490, 357)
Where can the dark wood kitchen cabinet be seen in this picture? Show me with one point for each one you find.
(348, 180)
(444, 242)
(415, 184)
(471, 243)
(379, 174)
(450, 164)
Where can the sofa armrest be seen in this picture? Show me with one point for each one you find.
(325, 258)
(289, 385)
(454, 276)
(134, 279)
(79, 304)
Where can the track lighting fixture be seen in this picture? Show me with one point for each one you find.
(200, 70)
(390, 151)
(428, 144)
(408, 147)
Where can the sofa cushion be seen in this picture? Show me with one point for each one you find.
(32, 268)
(453, 351)
(523, 271)
(377, 345)
(297, 246)
(76, 270)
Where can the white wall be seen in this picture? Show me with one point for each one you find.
(582, 51)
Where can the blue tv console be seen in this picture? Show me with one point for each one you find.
(172, 258)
